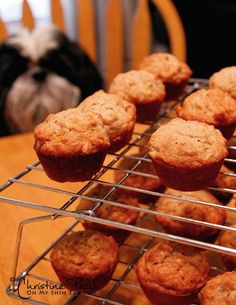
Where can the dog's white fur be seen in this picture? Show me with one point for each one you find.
(30, 103)
(36, 43)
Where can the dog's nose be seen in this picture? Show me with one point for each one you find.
(39, 76)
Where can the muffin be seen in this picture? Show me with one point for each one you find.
(138, 181)
(225, 79)
(232, 201)
(110, 212)
(71, 145)
(143, 90)
(85, 261)
(232, 152)
(172, 274)
(228, 239)
(219, 290)
(224, 181)
(213, 106)
(118, 115)
(192, 211)
(171, 71)
(187, 155)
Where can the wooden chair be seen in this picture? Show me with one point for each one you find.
(114, 34)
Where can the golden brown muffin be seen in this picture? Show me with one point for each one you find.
(171, 274)
(166, 67)
(85, 261)
(192, 211)
(225, 79)
(228, 239)
(138, 181)
(213, 106)
(224, 181)
(71, 145)
(110, 212)
(187, 155)
(142, 89)
(118, 115)
(219, 290)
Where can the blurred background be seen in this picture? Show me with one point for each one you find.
(115, 34)
(209, 27)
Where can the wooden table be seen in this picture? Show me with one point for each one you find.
(15, 153)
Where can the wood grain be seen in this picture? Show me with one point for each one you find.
(27, 16)
(114, 40)
(141, 34)
(57, 15)
(86, 27)
(3, 31)
(174, 27)
(15, 153)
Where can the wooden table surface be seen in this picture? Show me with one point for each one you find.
(15, 153)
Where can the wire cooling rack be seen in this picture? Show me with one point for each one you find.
(144, 234)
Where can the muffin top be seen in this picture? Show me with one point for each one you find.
(225, 79)
(108, 211)
(166, 67)
(228, 239)
(71, 132)
(86, 253)
(226, 181)
(173, 269)
(187, 143)
(138, 87)
(212, 106)
(138, 181)
(220, 290)
(190, 210)
(118, 114)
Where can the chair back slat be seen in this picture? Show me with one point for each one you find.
(27, 16)
(86, 27)
(141, 34)
(3, 31)
(174, 27)
(57, 15)
(114, 40)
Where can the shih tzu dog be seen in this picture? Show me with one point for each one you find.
(41, 72)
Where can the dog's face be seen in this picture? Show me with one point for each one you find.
(42, 72)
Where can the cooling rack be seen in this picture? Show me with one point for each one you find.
(143, 235)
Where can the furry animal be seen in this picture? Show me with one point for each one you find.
(42, 72)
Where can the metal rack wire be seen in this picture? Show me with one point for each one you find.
(146, 228)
